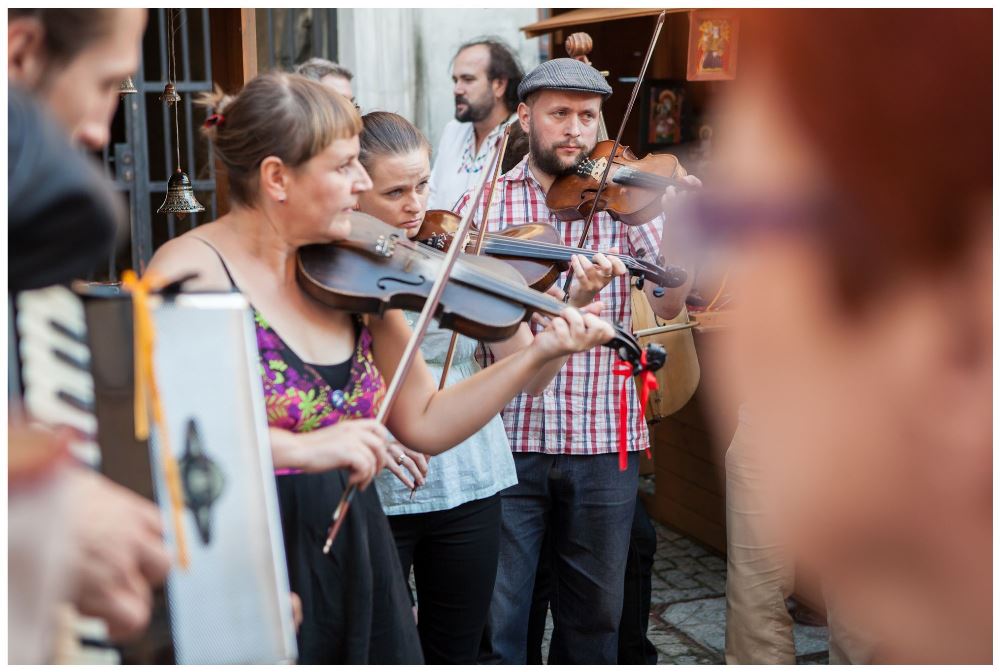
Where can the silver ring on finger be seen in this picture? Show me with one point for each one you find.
(400, 458)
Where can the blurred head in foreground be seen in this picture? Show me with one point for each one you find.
(74, 61)
(857, 172)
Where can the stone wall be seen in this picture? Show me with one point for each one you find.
(402, 57)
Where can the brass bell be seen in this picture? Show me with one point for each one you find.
(170, 95)
(180, 200)
(127, 86)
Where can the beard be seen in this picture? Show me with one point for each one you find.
(473, 111)
(547, 159)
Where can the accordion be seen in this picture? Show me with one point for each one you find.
(231, 605)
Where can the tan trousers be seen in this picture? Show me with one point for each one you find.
(760, 575)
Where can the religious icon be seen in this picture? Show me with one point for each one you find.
(712, 45)
(662, 101)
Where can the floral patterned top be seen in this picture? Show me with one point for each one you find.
(296, 396)
(299, 399)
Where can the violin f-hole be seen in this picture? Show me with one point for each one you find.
(387, 281)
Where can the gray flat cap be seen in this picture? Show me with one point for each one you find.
(564, 74)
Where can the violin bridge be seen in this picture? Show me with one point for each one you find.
(597, 168)
(385, 246)
(439, 241)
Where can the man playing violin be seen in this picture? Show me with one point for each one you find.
(565, 441)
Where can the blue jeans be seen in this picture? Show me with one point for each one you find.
(587, 505)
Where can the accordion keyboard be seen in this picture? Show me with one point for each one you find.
(55, 365)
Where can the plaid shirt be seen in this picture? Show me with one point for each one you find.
(578, 412)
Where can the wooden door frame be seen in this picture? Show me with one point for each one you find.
(234, 63)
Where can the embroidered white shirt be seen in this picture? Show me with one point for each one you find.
(457, 164)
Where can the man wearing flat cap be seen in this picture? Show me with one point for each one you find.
(565, 441)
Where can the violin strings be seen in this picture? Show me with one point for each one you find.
(534, 243)
(503, 287)
(515, 247)
(518, 243)
(503, 249)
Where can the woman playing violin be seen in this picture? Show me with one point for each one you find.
(450, 531)
(290, 148)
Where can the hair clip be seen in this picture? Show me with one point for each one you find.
(214, 120)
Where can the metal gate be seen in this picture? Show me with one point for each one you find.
(140, 157)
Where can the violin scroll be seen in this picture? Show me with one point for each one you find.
(626, 345)
(579, 45)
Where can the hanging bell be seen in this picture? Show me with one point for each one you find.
(127, 86)
(170, 95)
(180, 200)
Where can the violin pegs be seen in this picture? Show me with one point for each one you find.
(640, 282)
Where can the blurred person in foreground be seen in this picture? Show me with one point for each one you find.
(857, 211)
(73, 535)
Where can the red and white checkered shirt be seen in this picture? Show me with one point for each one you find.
(578, 412)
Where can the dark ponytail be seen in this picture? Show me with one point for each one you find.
(388, 134)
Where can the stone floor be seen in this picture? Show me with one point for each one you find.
(687, 620)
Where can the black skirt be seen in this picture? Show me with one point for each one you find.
(355, 604)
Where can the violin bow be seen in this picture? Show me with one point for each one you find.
(618, 141)
(413, 346)
(450, 355)
(479, 242)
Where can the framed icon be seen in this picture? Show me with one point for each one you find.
(712, 44)
(660, 115)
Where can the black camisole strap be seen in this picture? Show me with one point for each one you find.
(357, 319)
(225, 267)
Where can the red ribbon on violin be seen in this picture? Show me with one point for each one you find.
(647, 383)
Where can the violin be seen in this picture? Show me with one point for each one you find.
(572, 197)
(535, 250)
(377, 268)
(631, 194)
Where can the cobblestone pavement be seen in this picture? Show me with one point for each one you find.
(687, 620)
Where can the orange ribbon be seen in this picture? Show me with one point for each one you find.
(147, 396)
(647, 383)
